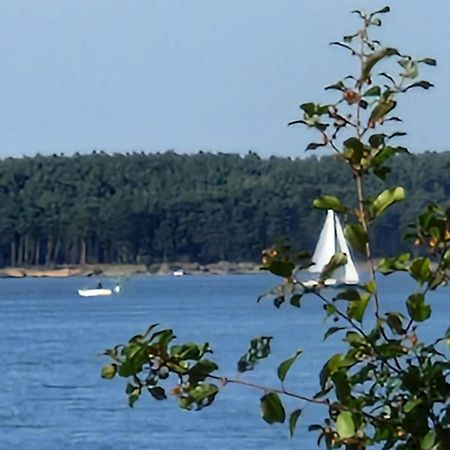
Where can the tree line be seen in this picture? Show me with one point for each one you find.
(144, 208)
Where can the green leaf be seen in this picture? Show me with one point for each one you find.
(342, 387)
(109, 371)
(428, 61)
(332, 365)
(339, 86)
(357, 308)
(356, 236)
(329, 202)
(428, 441)
(332, 331)
(422, 84)
(295, 300)
(284, 367)
(272, 409)
(349, 295)
(420, 270)
(202, 369)
(345, 425)
(411, 404)
(384, 10)
(395, 322)
(203, 392)
(418, 310)
(157, 392)
(259, 349)
(133, 397)
(371, 286)
(394, 264)
(387, 198)
(336, 261)
(314, 145)
(353, 150)
(374, 91)
(293, 421)
(377, 140)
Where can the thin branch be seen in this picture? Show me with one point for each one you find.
(226, 380)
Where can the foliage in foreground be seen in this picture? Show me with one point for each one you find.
(388, 389)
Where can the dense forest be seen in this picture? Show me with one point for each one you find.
(145, 208)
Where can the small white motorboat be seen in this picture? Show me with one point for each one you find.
(98, 292)
(178, 273)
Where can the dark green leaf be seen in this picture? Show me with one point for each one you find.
(272, 409)
(394, 264)
(422, 84)
(331, 331)
(293, 421)
(340, 44)
(353, 151)
(295, 300)
(356, 309)
(339, 86)
(157, 392)
(343, 390)
(420, 270)
(374, 91)
(284, 367)
(429, 61)
(395, 322)
(308, 108)
(278, 301)
(281, 268)
(417, 308)
(349, 294)
(202, 369)
(314, 145)
(384, 10)
(259, 349)
(411, 404)
(377, 140)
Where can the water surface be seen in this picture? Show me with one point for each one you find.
(53, 398)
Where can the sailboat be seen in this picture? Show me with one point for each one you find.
(332, 241)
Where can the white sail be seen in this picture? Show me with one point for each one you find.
(351, 274)
(326, 246)
(332, 241)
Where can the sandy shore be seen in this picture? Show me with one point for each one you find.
(125, 270)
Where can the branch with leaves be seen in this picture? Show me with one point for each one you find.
(388, 388)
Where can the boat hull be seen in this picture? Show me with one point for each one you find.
(94, 292)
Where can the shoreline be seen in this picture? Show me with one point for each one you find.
(127, 270)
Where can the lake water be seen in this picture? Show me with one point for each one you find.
(52, 396)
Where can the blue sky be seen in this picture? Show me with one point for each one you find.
(189, 75)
